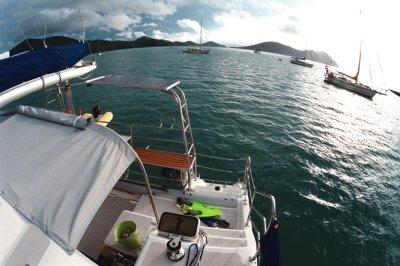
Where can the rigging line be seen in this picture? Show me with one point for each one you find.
(23, 35)
(34, 24)
(44, 37)
(370, 75)
(380, 66)
(80, 17)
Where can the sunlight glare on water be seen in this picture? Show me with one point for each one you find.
(330, 157)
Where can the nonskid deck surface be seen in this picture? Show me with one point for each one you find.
(93, 239)
(124, 196)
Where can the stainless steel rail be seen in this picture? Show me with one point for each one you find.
(252, 192)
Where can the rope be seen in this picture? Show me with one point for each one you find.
(190, 252)
(82, 27)
(23, 35)
(204, 235)
(34, 24)
(380, 66)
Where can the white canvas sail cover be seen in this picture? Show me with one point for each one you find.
(57, 170)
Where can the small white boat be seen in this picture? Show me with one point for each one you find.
(257, 51)
(300, 61)
(199, 49)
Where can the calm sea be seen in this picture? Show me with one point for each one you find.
(330, 157)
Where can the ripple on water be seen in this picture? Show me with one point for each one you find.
(331, 158)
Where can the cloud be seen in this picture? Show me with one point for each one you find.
(192, 28)
(125, 35)
(157, 8)
(130, 34)
(290, 28)
(223, 4)
(151, 24)
(62, 17)
(272, 5)
(175, 36)
(66, 19)
(139, 34)
(119, 21)
(239, 27)
(189, 24)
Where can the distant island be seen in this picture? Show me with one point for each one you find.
(97, 46)
(278, 48)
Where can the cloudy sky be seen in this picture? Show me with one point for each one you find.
(333, 26)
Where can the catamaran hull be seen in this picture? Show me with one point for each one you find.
(351, 87)
(301, 63)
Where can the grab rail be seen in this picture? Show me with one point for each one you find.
(252, 192)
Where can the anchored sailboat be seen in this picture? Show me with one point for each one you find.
(301, 61)
(199, 49)
(349, 82)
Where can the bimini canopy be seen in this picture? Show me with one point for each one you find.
(57, 169)
(33, 64)
(135, 82)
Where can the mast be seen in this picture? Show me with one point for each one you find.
(359, 63)
(201, 32)
(359, 57)
(358, 69)
(305, 52)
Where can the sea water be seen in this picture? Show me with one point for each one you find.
(330, 157)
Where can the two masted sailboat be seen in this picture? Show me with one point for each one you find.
(349, 82)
